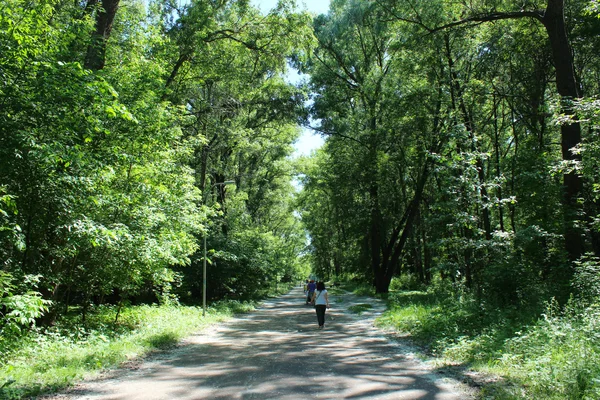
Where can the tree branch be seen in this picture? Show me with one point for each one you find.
(475, 19)
(478, 19)
(338, 75)
(338, 134)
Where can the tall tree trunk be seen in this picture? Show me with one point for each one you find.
(467, 120)
(567, 87)
(337, 264)
(96, 52)
(497, 165)
(375, 241)
(594, 234)
(468, 256)
(419, 269)
(513, 172)
(427, 259)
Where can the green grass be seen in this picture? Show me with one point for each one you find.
(53, 359)
(559, 356)
(359, 308)
(553, 356)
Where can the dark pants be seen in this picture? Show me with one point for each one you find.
(309, 296)
(321, 313)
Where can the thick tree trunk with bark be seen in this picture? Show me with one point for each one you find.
(96, 52)
(566, 85)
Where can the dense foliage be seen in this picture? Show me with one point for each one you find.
(461, 159)
(120, 123)
(459, 179)
(454, 146)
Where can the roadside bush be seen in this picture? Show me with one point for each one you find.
(586, 280)
(20, 306)
(555, 356)
(50, 359)
(559, 357)
(434, 318)
(406, 282)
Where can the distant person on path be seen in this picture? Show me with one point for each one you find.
(321, 301)
(311, 287)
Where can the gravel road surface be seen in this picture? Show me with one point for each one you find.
(277, 352)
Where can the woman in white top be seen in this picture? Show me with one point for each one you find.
(321, 302)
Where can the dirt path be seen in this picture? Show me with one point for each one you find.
(277, 352)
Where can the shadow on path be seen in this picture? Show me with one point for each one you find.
(277, 352)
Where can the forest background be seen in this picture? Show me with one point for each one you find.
(458, 179)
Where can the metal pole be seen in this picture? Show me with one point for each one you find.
(204, 279)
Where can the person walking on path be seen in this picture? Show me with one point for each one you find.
(311, 291)
(321, 302)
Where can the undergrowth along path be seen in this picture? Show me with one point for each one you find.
(277, 352)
